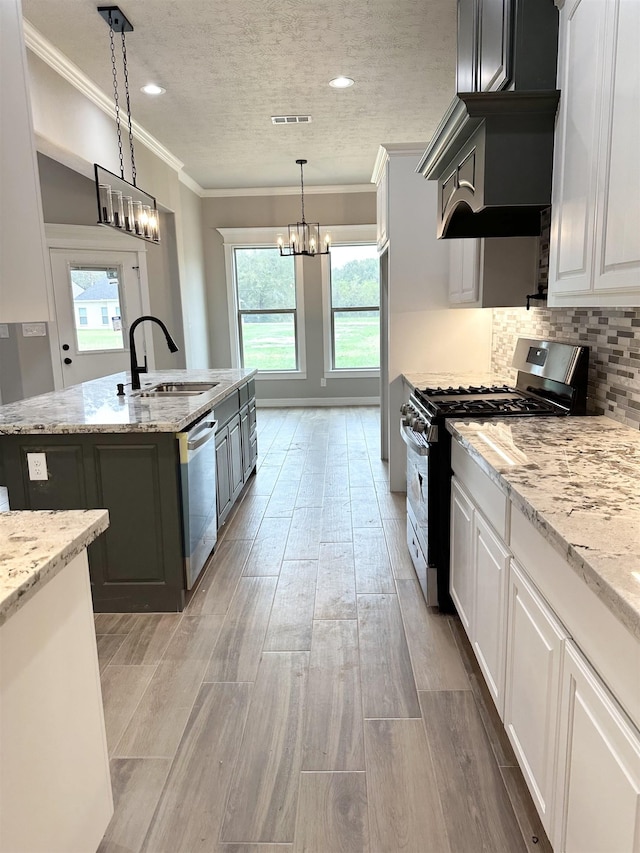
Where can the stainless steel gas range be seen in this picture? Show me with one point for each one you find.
(551, 380)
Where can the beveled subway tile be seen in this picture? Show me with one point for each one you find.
(262, 800)
(267, 551)
(336, 584)
(191, 807)
(219, 583)
(237, 652)
(333, 733)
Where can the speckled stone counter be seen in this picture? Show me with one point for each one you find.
(35, 546)
(578, 481)
(94, 406)
(444, 380)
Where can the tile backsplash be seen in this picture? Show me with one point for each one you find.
(613, 335)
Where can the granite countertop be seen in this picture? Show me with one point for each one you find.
(94, 406)
(35, 546)
(577, 479)
(444, 380)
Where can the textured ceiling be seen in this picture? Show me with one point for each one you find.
(229, 65)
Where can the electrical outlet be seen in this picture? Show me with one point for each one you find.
(37, 463)
(4, 330)
(34, 330)
(323, 382)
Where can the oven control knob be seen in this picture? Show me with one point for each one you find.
(419, 425)
(407, 409)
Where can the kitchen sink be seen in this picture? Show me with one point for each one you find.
(178, 389)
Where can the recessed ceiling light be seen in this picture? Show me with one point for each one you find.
(153, 89)
(341, 82)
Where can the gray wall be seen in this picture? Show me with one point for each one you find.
(25, 365)
(329, 209)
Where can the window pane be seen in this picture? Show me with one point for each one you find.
(268, 341)
(356, 339)
(264, 280)
(355, 278)
(96, 308)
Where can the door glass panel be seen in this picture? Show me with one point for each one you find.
(95, 296)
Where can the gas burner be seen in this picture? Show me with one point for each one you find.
(468, 389)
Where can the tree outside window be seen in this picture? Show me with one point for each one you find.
(355, 307)
(267, 312)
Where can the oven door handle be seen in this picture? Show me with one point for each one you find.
(412, 444)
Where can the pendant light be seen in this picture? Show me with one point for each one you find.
(304, 237)
(123, 205)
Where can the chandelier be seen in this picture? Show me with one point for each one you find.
(304, 237)
(123, 205)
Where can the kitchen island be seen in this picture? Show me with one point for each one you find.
(55, 789)
(122, 453)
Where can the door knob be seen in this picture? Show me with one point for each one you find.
(67, 360)
(65, 347)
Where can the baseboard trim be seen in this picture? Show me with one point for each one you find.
(303, 402)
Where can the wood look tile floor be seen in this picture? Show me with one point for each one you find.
(307, 699)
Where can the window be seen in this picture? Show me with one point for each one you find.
(105, 315)
(354, 306)
(266, 297)
(82, 316)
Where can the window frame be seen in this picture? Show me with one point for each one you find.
(345, 235)
(262, 238)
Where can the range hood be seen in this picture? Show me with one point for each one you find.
(492, 156)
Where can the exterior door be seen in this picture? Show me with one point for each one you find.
(96, 294)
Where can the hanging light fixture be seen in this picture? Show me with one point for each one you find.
(121, 204)
(304, 237)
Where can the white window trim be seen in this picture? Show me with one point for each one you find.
(259, 238)
(341, 235)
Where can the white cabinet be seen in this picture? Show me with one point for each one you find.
(492, 272)
(491, 560)
(382, 206)
(462, 575)
(478, 585)
(595, 233)
(535, 641)
(598, 798)
(23, 257)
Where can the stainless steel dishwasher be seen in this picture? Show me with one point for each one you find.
(198, 480)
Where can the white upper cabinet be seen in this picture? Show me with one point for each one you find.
(23, 258)
(595, 229)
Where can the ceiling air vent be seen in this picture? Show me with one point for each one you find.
(290, 119)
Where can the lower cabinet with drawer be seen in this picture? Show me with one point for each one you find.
(236, 446)
(563, 672)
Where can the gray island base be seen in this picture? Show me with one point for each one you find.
(103, 452)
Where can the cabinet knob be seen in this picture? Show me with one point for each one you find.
(67, 360)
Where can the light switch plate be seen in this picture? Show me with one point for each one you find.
(4, 330)
(37, 463)
(34, 330)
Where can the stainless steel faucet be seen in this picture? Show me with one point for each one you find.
(136, 370)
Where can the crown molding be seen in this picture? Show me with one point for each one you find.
(70, 72)
(308, 190)
(394, 149)
(189, 182)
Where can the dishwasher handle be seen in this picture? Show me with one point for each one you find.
(201, 434)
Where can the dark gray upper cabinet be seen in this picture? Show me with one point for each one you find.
(506, 44)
